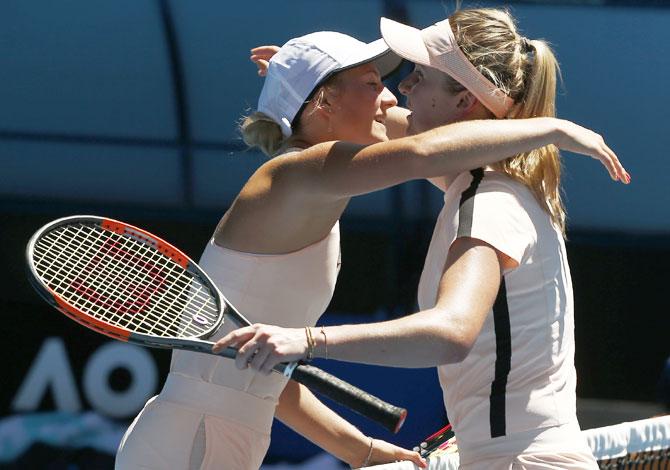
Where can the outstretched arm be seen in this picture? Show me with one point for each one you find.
(440, 335)
(300, 410)
(335, 170)
(297, 197)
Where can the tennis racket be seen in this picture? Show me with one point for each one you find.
(132, 286)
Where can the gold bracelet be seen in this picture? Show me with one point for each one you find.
(367, 459)
(325, 341)
(310, 344)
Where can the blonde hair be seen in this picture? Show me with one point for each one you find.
(260, 130)
(527, 71)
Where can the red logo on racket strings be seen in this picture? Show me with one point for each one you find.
(119, 289)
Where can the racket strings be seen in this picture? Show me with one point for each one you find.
(124, 282)
(110, 281)
(141, 283)
(93, 293)
(89, 288)
(105, 291)
(187, 295)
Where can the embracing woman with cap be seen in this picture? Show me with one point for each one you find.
(495, 293)
(275, 253)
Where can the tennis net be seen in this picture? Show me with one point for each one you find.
(638, 445)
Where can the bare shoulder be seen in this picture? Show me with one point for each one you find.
(318, 153)
(272, 216)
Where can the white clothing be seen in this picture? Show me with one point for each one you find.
(210, 414)
(515, 391)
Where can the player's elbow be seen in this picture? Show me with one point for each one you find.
(456, 343)
(454, 350)
(460, 348)
(448, 337)
(453, 347)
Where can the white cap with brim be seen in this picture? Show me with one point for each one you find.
(304, 63)
(435, 46)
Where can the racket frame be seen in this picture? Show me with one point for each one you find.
(389, 416)
(118, 332)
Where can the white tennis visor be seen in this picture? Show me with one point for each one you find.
(435, 46)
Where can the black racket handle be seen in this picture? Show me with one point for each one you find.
(320, 381)
(389, 416)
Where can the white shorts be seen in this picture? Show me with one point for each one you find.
(166, 435)
(194, 425)
(563, 461)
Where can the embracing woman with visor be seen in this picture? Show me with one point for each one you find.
(323, 116)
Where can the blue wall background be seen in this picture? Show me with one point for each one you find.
(90, 89)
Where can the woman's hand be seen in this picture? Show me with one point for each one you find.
(261, 55)
(385, 452)
(578, 139)
(261, 347)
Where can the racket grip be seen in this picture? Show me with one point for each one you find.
(389, 416)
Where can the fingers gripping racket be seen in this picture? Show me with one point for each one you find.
(126, 283)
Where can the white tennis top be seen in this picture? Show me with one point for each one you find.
(515, 391)
(291, 290)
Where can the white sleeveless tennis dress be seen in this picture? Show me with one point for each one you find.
(210, 415)
(512, 400)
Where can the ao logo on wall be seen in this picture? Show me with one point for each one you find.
(51, 371)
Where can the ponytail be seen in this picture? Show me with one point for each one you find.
(259, 130)
(539, 169)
